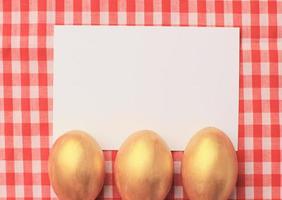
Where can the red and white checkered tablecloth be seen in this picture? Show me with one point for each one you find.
(26, 51)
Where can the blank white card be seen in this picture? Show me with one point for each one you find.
(111, 81)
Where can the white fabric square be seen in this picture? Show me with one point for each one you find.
(1, 22)
(18, 164)
(280, 64)
(36, 166)
(108, 166)
(248, 118)
(193, 18)
(266, 192)
(264, 69)
(36, 191)
(15, 41)
(177, 167)
(16, 67)
(3, 191)
(34, 116)
(266, 168)
(33, 67)
(175, 18)
(2, 163)
(86, 17)
(246, 19)
(16, 91)
(32, 41)
(50, 91)
(104, 18)
(263, 44)
(108, 191)
(17, 116)
(19, 191)
(266, 118)
(68, 17)
(228, 19)
(249, 168)
(210, 19)
(263, 19)
(50, 115)
(178, 192)
(157, 18)
(1, 95)
(247, 69)
(249, 192)
(18, 141)
(16, 17)
(49, 42)
(279, 19)
(35, 141)
(50, 17)
(246, 44)
(50, 67)
(266, 143)
(2, 138)
(248, 93)
(34, 91)
(33, 17)
(139, 18)
(122, 18)
(249, 143)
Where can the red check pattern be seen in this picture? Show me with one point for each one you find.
(26, 52)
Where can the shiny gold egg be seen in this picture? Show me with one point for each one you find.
(76, 167)
(209, 166)
(143, 167)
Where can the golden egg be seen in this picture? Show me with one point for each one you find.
(76, 167)
(209, 166)
(143, 167)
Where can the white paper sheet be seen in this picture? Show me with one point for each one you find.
(112, 81)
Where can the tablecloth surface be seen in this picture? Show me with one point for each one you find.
(26, 73)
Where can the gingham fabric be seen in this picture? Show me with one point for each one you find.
(26, 85)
